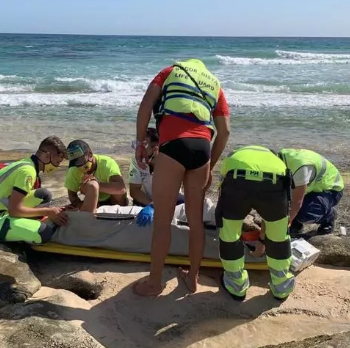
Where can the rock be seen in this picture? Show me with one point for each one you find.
(34, 332)
(335, 341)
(70, 275)
(256, 217)
(17, 281)
(42, 322)
(335, 250)
(249, 224)
(81, 283)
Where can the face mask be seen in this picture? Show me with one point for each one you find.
(86, 167)
(154, 152)
(49, 168)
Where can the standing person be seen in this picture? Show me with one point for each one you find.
(189, 102)
(22, 199)
(318, 188)
(253, 177)
(98, 177)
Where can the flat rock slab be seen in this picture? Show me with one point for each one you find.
(17, 281)
(341, 340)
(335, 250)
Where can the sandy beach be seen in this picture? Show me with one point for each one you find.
(209, 318)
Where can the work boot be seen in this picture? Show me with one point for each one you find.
(295, 228)
(327, 227)
(235, 297)
(280, 299)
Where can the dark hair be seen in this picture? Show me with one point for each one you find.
(153, 134)
(53, 143)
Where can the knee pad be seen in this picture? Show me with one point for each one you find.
(278, 250)
(44, 194)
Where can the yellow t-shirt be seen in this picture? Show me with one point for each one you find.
(20, 175)
(106, 167)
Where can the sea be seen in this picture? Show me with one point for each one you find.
(282, 92)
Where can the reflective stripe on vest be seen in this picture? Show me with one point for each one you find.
(323, 169)
(11, 170)
(189, 89)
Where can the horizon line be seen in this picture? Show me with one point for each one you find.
(211, 36)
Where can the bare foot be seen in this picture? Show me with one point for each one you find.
(146, 288)
(190, 282)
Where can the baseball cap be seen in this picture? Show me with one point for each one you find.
(77, 151)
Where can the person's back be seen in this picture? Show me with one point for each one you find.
(20, 175)
(253, 159)
(191, 104)
(325, 176)
(191, 119)
(318, 188)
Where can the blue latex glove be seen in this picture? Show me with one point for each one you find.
(145, 216)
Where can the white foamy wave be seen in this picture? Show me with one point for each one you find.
(8, 77)
(126, 100)
(106, 86)
(14, 89)
(227, 60)
(241, 86)
(69, 79)
(87, 99)
(256, 99)
(308, 55)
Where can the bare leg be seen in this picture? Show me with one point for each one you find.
(167, 179)
(194, 184)
(91, 189)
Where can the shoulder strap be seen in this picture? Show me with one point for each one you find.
(194, 81)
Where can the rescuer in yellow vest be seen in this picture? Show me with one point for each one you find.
(318, 188)
(254, 177)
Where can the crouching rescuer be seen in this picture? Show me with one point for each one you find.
(253, 177)
(23, 201)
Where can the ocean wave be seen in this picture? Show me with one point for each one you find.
(15, 88)
(74, 100)
(103, 86)
(256, 99)
(8, 77)
(317, 88)
(125, 100)
(309, 55)
(292, 58)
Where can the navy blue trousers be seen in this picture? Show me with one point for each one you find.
(318, 207)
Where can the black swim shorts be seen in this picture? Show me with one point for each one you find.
(192, 153)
